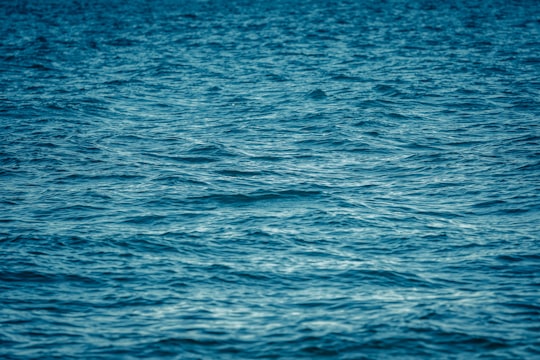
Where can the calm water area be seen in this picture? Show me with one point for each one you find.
(289, 179)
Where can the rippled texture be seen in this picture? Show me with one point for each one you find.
(294, 179)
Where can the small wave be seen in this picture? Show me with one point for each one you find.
(317, 94)
(239, 173)
(258, 196)
(185, 159)
(28, 277)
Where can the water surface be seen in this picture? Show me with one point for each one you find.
(294, 179)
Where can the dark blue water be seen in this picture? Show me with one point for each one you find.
(286, 179)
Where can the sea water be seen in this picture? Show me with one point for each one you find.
(269, 179)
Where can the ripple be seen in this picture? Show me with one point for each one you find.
(269, 180)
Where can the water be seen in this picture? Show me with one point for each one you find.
(287, 179)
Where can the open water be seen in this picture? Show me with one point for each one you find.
(270, 179)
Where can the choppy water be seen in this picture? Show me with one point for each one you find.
(291, 179)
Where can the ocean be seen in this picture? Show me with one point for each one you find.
(288, 179)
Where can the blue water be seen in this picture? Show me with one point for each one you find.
(288, 179)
